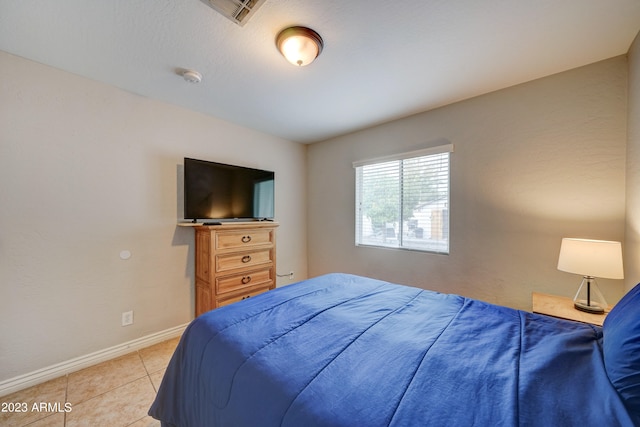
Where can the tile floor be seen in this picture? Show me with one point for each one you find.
(115, 393)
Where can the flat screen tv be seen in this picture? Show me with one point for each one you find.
(221, 192)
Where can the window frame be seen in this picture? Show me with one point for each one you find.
(441, 246)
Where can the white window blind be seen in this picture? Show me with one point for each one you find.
(403, 201)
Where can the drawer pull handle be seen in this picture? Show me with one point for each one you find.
(246, 239)
(246, 258)
(246, 279)
(247, 297)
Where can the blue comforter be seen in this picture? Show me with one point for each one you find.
(342, 350)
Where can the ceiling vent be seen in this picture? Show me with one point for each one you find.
(239, 11)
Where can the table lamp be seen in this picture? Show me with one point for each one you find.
(591, 259)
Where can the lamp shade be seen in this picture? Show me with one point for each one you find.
(299, 45)
(595, 258)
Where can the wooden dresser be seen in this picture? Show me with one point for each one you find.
(234, 261)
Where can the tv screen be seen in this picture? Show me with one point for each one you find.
(219, 191)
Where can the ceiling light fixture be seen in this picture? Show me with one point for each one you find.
(300, 45)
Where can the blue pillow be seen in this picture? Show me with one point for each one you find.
(621, 346)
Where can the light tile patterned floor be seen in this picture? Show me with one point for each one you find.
(114, 393)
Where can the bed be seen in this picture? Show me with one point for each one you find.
(344, 350)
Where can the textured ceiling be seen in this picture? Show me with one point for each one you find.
(382, 59)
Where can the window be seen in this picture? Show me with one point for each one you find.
(403, 201)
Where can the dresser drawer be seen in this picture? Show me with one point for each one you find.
(239, 297)
(249, 279)
(243, 239)
(243, 260)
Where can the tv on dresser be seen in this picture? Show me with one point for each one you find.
(223, 192)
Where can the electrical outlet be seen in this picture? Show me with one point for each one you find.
(127, 318)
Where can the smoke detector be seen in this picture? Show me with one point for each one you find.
(192, 76)
(238, 11)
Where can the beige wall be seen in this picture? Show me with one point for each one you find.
(632, 235)
(86, 171)
(532, 164)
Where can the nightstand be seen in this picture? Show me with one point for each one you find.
(562, 307)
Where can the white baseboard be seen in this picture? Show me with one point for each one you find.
(60, 369)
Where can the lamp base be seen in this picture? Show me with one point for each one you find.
(583, 306)
(589, 298)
